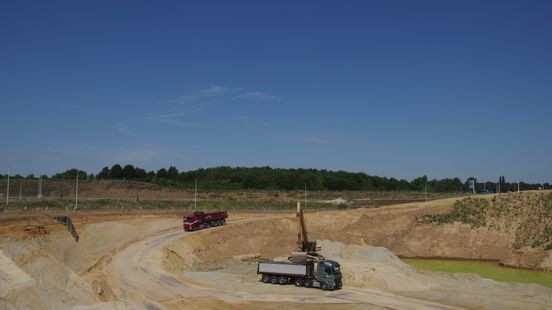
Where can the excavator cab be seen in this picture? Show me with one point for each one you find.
(311, 246)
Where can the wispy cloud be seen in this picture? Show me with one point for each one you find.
(309, 138)
(213, 91)
(122, 128)
(216, 89)
(179, 111)
(258, 96)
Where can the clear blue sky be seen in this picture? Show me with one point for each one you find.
(390, 88)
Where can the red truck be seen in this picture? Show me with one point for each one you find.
(199, 220)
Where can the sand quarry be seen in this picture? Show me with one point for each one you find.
(148, 262)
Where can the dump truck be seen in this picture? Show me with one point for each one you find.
(324, 274)
(199, 220)
(306, 267)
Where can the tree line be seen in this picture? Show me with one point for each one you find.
(267, 178)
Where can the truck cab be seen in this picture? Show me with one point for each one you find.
(192, 221)
(328, 275)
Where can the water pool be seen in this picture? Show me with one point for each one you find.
(489, 270)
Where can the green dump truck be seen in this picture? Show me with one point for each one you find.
(324, 274)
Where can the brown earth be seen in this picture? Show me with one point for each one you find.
(66, 274)
(116, 189)
(397, 228)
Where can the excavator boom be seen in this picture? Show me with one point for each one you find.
(302, 235)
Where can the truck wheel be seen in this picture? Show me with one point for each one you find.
(324, 286)
(282, 280)
(308, 283)
(299, 282)
(273, 279)
(265, 278)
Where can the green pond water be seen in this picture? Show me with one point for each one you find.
(489, 270)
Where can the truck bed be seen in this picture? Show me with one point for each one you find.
(282, 268)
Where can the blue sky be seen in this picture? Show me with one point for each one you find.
(391, 88)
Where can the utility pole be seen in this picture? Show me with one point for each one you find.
(195, 196)
(77, 191)
(39, 196)
(518, 186)
(425, 188)
(8, 190)
(305, 196)
(20, 189)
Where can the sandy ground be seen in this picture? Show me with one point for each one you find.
(148, 262)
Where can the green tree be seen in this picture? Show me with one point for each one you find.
(172, 173)
(116, 171)
(104, 174)
(129, 172)
(71, 174)
(163, 173)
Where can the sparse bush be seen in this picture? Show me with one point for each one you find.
(342, 206)
(528, 216)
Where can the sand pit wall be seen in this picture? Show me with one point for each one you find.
(363, 267)
(55, 262)
(399, 231)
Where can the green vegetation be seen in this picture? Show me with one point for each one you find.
(527, 215)
(468, 211)
(489, 270)
(267, 178)
(167, 204)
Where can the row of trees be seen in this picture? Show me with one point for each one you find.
(264, 178)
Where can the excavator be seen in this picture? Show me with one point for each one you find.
(306, 267)
(306, 249)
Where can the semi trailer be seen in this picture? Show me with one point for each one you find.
(324, 274)
(199, 220)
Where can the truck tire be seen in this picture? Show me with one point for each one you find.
(308, 283)
(299, 282)
(273, 279)
(265, 278)
(324, 286)
(282, 280)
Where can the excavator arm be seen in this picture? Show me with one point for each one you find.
(305, 248)
(302, 234)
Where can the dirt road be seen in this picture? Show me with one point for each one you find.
(137, 278)
(148, 262)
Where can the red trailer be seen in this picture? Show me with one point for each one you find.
(199, 220)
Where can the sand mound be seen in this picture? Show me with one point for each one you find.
(43, 270)
(363, 267)
(378, 268)
(11, 276)
(375, 267)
